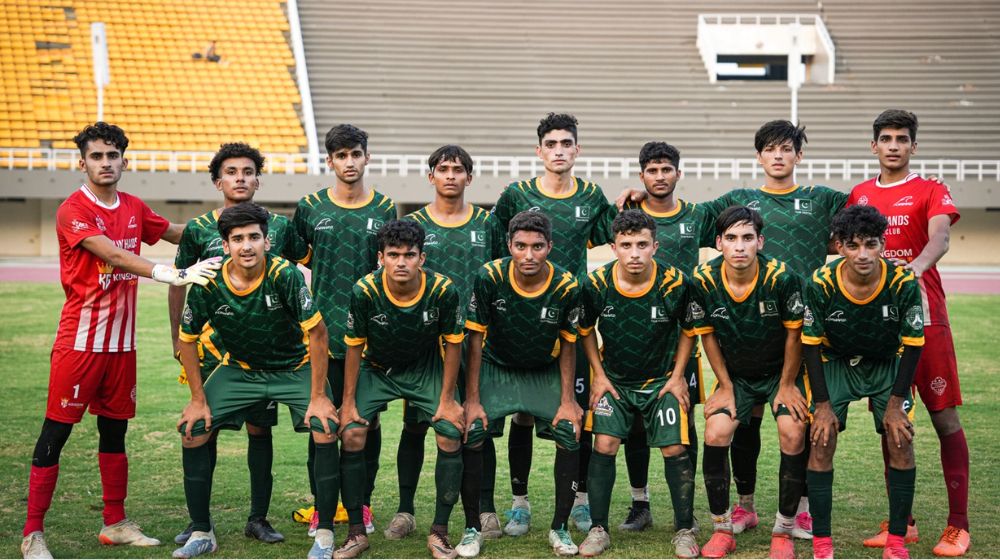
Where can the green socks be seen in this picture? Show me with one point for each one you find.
(260, 457)
(821, 501)
(600, 483)
(352, 484)
(901, 485)
(448, 479)
(198, 485)
(679, 472)
(327, 477)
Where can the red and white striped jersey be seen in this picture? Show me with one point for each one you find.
(99, 314)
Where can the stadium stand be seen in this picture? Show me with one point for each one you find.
(164, 98)
(423, 73)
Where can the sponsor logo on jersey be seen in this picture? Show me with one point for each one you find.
(534, 209)
(500, 305)
(374, 225)
(794, 303)
(305, 298)
(430, 239)
(720, 313)
(905, 201)
(803, 206)
(695, 312)
(890, 313)
(658, 314)
(863, 201)
(80, 226)
(270, 236)
(837, 316)
(226, 311)
(459, 316)
(66, 402)
(324, 224)
(381, 319)
(582, 213)
(574, 316)
(478, 238)
(855, 360)
(350, 320)
(272, 302)
(472, 303)
(431, 316)
(807, 317)
(132, 394)
(214, 245)
(768, 308)
(187, 316)
(897, 253)
(604, 407)
(549, 314)
(686, 229)
(897, 220)
(938, 385)
(915, 317)
(947, 201)
(609, 312)
(754, 205)
(131, 222)
(100, 223)
(128, 244)
(104, 274)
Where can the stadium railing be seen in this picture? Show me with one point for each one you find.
(508, 166)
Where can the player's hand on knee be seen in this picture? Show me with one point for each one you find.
(451, 411)
(198, 273)
(824, 424)
(722, 399)
(793, 400)
(571, 412)
(323, 410)
(193, 412)
(679, 390)
(897, 424)
(600, 386)
(349, 415)
(473, 411)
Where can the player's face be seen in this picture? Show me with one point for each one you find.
(779, 160)
(635, 250)
(450, 179)
(660, 178)
(894, 148)
(238, 179)
(103, 164)
(558, 151)
(862, 255)
(247, 245)
(739, 245)
(529, 250)
(348, 164)
(402, 264)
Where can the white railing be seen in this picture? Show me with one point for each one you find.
(512, 166)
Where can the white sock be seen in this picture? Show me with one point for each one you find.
(522, 502)
(640, 494)
(723, 522)
(581, 499)
(783, 524)
(803, 504)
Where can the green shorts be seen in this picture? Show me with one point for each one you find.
(665, 422)
(419, 383)
(504, 391)
(752, 392)
(262, 415)
(693, 373)
(233, 393)
(854, 378)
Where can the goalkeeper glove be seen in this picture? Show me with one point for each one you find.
(198, 273)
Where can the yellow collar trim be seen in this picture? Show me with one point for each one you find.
(753, 284)
(854, 300)
(356, 205)
(677, 209)
(467, 219)
(538, 185)
(789, 190)
(640, 293)
(253, 286)
(411, 302)
(539, 291)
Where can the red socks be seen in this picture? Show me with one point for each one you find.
(955, 464)
(41, 485)
(114, 481)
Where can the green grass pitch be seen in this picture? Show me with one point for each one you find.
(156, 498)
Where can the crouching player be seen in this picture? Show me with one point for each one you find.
(748, 309)
(637, 304)
(277, 347)
(397, 319)
(860, 309)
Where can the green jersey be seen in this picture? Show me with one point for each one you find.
(750, 329)
(680, 232)
(398, 333)
(343, 248)
(796, 221)
(577, 219)
(871, 328)
(523, 328)
(639, 329)
(265, 326)
(457, 251)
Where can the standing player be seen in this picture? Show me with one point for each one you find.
(527, 309)
(340, 224)
(681, 229)
(748, 310)
(276, 349)
(576, 209)
(93, 358)
(638, 304)
(920, 214)
(859, 310)
(235, 171)
(399, 318)
(456, 245)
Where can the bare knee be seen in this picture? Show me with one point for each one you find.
(195, 441)
(946, 421)
(673, 450)
(522, 419)
(447, 444)
(821, 456)
(901, 457)
(354, 439)
(606, 445)
(324, 438)
(719, 430)
(258, 431)
(791, 435)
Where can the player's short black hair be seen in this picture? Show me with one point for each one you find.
(862, 222)
(530, 220)
(633, 221)
(738, 215)
(659, 151)
(101, 130)
(401, 233)
(778, 132)
(345, 136)
(235, 150)
(895, 118)
(243, 214)
(450, 152)
(557, 121)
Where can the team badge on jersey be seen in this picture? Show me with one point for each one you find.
(478, 238)
(695, 312)
(550, 315)
(272, 302)
(305, 299)
(794, 303)
(915, 317)
(768, 308)
(803, 206)
(604, 407)
(657, 314)
(890, 313)
(431, 316)
(686, 230)
(374, 225)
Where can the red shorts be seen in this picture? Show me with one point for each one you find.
(936, 377)
(102, 381)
